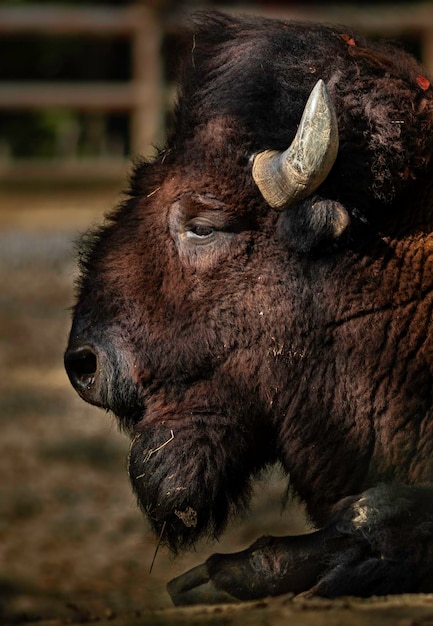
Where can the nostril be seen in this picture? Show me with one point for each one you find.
(81, 365)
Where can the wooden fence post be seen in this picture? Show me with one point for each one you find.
(148, 111)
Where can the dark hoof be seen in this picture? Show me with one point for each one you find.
(271, 566)
(223, 578)
(196, 587)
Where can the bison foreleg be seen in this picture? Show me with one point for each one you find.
(378, 543)
(270, 566)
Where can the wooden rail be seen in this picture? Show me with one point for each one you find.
(389, 21)
(80, 96)
(144, 98)
(66, 20)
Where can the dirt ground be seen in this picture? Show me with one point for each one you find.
(73, 544)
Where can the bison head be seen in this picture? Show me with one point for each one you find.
(222, 309)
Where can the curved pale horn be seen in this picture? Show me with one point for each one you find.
(289, 176)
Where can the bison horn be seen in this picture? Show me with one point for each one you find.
(292, 175)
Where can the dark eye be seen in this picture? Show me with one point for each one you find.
(200, 231)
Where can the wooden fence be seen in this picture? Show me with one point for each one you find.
(144, 97)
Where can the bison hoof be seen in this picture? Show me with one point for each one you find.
(223, 578)
(270, 566)
(196, 587)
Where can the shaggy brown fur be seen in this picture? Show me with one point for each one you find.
(227, 336)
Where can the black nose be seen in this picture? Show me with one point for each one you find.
(82, 365)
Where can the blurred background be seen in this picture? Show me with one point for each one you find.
(83, 90)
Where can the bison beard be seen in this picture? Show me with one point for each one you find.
(189, 478)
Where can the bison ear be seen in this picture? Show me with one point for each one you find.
(313, 223)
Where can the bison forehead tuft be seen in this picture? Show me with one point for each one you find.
(258, 73)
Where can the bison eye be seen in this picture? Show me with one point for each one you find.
(201, 228)
(200, 231)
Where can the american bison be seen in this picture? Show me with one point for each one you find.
(264, 295)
